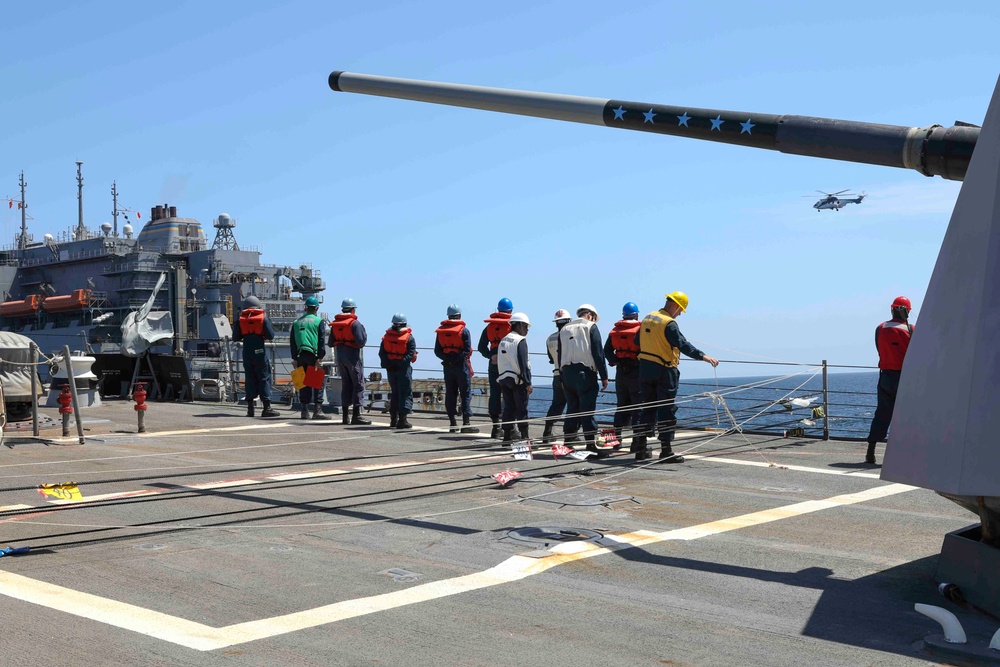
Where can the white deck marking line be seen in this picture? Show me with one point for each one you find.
(205, 638)
(220, 429)
(763, 464)
(221, 485)
(106, 496)
(10, 508)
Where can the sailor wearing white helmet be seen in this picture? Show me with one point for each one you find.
(514, 376)
(558, 405)
(581, 362)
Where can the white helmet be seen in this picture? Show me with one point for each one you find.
(562, 314)
(519, 317)
(585, 307)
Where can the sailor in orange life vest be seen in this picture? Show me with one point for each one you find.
(581, 361)
(562, 318)
(660, 345)
(515, 376)
(453, 346)
(307, 340)
(497, 326)
(348, 338)
(253, 327)
(622, 352)
(892, 339)
(396, 352)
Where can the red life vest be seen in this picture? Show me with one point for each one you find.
(623, 338)
(497, 326)
(340, 330)
(252, 321)
(395, 342)
(450, 336)
(892, 338)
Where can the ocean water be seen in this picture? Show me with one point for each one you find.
(755, 403)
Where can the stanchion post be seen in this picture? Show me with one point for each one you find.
(139, 395)
(34, 389)
(72, 393)
(826, 404)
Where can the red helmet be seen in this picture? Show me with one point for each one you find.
(902, 301)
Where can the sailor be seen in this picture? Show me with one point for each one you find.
(308, 349)
(253, 328)
(348, 338)
(660, 345)
(581, 361)
(514, 376)
(497, 326)
(453, 346)
(397, 351)
(622, 351)
(892, 338)
(562, 318)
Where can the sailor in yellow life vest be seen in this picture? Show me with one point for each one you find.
(397, 351)
(660, 346)
(254, 328)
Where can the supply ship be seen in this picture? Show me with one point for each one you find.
(76, 288)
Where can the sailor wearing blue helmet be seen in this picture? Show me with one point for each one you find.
(497, 326)
(622, 352)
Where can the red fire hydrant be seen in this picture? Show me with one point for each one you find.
(65, 408)
(139, 395)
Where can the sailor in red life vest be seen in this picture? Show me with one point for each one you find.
(892, 339)
(348, 338)
(453, 346)
(253, 328)
(622, 352)
(396, 352)
(497, 326)
(515, 377)
(558, 405)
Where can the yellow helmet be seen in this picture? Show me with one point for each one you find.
(680, 298)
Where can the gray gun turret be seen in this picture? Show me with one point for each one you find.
(933, 150)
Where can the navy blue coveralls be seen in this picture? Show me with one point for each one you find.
(627, 388)
(558, 404)
(351, 367)
(306, 359)
(457, 376)
(493, 373)
(515, 394)
(580, 384)
(400, 375)
(255, 363)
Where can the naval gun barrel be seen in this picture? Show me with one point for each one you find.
(933, 150)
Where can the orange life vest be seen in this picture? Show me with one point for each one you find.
(395, 342)
(497, 326)
(623, 338)
(450, 336)
(252, 321)
(340, 329)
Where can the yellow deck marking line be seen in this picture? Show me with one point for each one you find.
(106, 496)
(762, 464)
(206, 638)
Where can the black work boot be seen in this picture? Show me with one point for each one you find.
(318, 413)
(508, 434)
(250, 408)
(345, 417)
(467, 427)
(305, 412)
(357, 419)
(870, 456)
(402, 423)
(523, 429)
(268, 411)
(667, 454)
(547, 433)
(393, 420)
(601, 453)
(640, 448)
(452, 424)
(495, 433)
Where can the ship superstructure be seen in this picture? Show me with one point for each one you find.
(77, 287)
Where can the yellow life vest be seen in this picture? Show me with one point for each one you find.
(653, 345)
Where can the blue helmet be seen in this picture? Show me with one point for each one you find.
(348, 303)
(454, 310)
(312, 302)
(505, 305)
(399, 318)
(630, 309)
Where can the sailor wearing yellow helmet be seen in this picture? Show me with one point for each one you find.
(660, 346)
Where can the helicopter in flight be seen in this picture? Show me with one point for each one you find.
(832, 200)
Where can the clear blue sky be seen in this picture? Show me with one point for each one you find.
(408, 207)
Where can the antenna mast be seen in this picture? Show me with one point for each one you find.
(22, 240)
(114, 198)
(79, 196)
